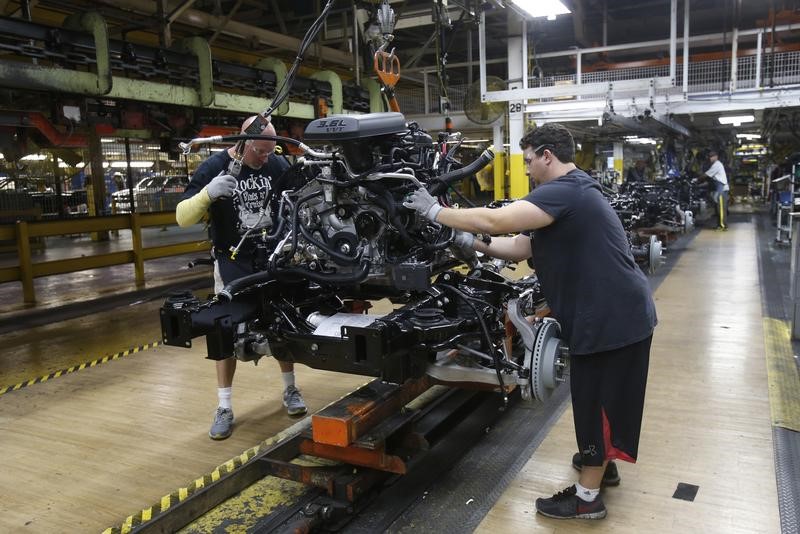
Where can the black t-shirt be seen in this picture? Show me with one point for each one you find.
(583, 260)
(231, 217)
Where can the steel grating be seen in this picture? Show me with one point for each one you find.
(786, 444)
(776, 305)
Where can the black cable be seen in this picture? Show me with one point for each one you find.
(283, 91)
(488, 337)
(439, 184)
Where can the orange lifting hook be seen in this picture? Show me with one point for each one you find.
(387, 67)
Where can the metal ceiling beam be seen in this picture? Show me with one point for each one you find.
(205, 21)
(230, 14)
(178, 11)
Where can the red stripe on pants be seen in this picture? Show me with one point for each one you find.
(612, 453)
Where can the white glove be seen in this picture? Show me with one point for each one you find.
(464, 240)
(423, 203)
(221, 186)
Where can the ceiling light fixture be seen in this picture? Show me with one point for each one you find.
(542, 8)
(748, 136)
(736, 120)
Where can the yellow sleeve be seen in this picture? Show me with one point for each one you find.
(191, 210)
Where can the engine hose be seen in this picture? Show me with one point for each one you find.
(323, 278)
(440, 184)
(385, 200)
(244, 282)
(338, 257)
(234, 286)
(278, 230)
(441, 245)
(295, 215)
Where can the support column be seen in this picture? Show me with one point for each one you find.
(618, 162)
(97, 190)
(518, 180)
(499, 163)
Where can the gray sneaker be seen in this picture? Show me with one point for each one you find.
(222, 427)
(294, 401)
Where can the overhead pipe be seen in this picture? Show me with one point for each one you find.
(205, 21)
(336, 88)
(201, 49)
(375, 96)
(93, 22)
(31, 77)
(279, 68)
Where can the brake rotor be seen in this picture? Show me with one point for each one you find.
(688, 220)
(547, 360)
(655, 258)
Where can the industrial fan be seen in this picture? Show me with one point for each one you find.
(484, 112)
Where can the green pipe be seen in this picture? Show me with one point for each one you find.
(200, 48)
(33, 77)
(93, 22)
(375, 95)
(279, 68)
(336, 88)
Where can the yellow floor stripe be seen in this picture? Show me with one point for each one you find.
(782, 375)
(184, 493)
(85, 365)
(226, 468)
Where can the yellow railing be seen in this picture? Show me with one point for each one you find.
(23, 231)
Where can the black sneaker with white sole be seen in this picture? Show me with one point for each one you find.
(567, 505)
(610, 476)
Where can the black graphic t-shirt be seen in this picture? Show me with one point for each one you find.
(232, 217)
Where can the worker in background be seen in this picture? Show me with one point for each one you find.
(719, 190)
(636, 173)
(596, 292)
(234, 203)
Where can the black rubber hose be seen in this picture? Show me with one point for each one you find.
(323, 278)
(441, 183)
(295, 215)
(338, 257)
(244, 282)
(487, 335)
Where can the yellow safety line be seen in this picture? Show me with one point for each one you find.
(782, 375)
(74, 368)
(181, 494)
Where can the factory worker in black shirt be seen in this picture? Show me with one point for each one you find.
(594, 289)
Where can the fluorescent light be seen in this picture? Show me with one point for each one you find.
(748, 136)
(542, 8)
(34, 157)
(736, 120)
(134, 164)
(640, 140)
(107, 140)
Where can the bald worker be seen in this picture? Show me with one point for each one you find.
(234, 204)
